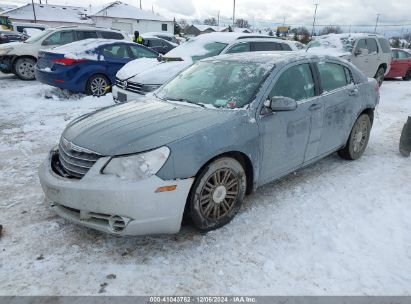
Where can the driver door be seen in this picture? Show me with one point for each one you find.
(288, 138)
(58, 38)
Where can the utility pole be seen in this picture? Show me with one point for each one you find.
(234, 15)
(315, 16)
(141, 7)
(284, 22)
(218, 19)
(34, 11)
(376, 23)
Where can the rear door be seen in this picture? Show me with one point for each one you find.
(401, 63)
(286, 136)
(115, 56)
(360, 57)
(340, 98)
(374, 57)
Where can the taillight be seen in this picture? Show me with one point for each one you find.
(67, 61)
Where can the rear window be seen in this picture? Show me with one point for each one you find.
(111, 35)
(385, 46)
(266, 46)
(286, 47)
(372, 46)
(333, 76)
(82, 35)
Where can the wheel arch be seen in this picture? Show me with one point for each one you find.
(96, 73)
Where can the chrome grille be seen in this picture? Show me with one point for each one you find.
(75, 161)
(130, 86)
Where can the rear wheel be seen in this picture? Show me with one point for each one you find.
(407, 77)
(24, 68)
(358, 140)
(217, 194)
(98, 85)
(380, 76)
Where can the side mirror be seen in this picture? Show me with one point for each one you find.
(282, 104)
(361, 52)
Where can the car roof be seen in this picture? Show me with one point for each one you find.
(271, 57)
(230, 37)
(81, 27)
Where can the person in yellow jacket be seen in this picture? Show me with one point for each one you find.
(137, 38)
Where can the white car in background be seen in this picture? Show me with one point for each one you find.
(368, 52)
(20, 57)
(142, 76)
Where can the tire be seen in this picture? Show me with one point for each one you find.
(24, 68)
(358, 140)
(407, 77)
(379, 76)
(217, 194)
(98, 85)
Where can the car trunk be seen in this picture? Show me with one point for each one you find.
(45, 60)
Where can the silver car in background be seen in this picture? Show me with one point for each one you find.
(219, 130)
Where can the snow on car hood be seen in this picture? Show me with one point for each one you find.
(135, 67)
(140, 126)
(151, 71)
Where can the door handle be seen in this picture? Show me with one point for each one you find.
(315, 107)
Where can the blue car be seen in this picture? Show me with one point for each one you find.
(88, 66)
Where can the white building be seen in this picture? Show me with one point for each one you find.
(49, 14)
(128, 18)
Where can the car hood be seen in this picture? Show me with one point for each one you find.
(16, 44)
(151, 71)
(141, 126)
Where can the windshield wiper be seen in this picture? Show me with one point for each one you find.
(187, 101)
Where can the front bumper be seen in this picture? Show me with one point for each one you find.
(112, 205)
(129, 96)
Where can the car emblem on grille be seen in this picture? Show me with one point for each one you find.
(69, 145)
(124, 84)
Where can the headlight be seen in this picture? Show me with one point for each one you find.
(5, 51)
(138, 167)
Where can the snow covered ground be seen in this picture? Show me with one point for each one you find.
(334, 228)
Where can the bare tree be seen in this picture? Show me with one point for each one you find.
(242, 23)
(210, 21)
(330, 29)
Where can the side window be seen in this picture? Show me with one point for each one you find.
(348, 76)
(141, 52)
(111, 35)
(395, 54)
(115, 51)
(81, 35)
(361, 45)
(164, 27)
(266, 46)
(297, 83)
(385, 45)
(372, 46)
(60, 38)
(156, 43)
(239, 48)
(403, 55)
(286, 47)
(333, 76)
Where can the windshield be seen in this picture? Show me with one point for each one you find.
(36, 38)
(197, 49)
(220, 84)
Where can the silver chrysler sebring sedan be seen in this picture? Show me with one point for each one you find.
(200, 143)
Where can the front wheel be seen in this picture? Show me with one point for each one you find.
(217, 194)
(380, 76)
(358, 140)
(98, 85)
(24, 68)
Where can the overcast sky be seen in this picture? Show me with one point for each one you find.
(296, 12)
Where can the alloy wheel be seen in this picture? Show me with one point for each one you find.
(98, 86)
(360, 136)
(219, 194)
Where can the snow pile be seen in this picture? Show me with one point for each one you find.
(334, 44)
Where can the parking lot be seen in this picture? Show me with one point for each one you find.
(334, 228)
